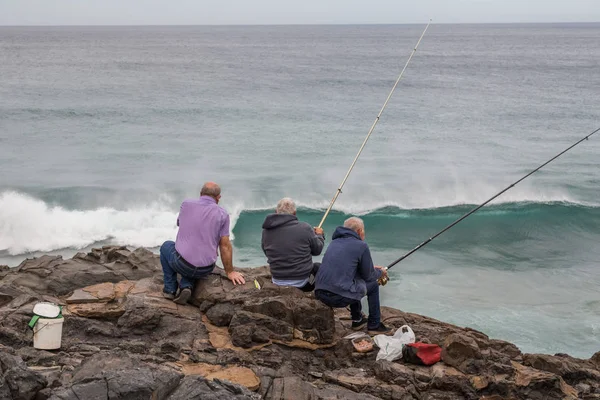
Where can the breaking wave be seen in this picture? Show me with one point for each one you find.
(28, 224)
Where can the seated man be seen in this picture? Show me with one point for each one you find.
(347, 274)
(203, 226)
(289, 246)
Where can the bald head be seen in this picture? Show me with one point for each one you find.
(211, 189)
(357, 225)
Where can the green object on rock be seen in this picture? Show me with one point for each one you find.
(33, 321)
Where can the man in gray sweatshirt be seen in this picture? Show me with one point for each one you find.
(289, 245)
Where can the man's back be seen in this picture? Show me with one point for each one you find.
(202, 223)
(346, 265)
(289, 246)
(347, 274)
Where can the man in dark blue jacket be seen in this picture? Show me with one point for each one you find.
(347, 274)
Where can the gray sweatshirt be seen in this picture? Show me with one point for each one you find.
(289, 246)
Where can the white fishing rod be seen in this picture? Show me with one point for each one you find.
(339, 190)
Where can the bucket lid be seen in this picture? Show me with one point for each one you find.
(46, 309)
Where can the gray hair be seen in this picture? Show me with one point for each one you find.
(210, 189)
(354, 223)
(286, 206)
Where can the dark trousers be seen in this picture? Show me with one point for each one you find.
(310, 285)
(173, 264)
(337, 301)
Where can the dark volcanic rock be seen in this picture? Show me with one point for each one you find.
(506, 348)
(574, 371)
(198, 388)
(596, 359)
(17, 382)
(311, 319)
(123, 340)
(120, 378)
(221, 314)
(38, 357)
(461, 352)
(534, 384)
(291, 388)
(53, 275)
(139, 318)
(306, 318)
(245, 327)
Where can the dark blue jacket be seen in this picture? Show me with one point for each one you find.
(346, 266)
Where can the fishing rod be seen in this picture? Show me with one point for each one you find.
(384, 279)
(339, 190)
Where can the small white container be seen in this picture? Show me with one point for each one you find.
(47, 333)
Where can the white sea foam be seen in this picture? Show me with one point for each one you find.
(428, 200)
(28, 224)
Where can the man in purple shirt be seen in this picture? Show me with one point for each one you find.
(203, 227)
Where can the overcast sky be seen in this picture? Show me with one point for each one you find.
(209, 12)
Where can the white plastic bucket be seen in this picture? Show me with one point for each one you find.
(47, 333)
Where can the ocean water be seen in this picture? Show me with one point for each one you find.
(105, 130)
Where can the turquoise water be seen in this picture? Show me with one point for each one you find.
(104, 130)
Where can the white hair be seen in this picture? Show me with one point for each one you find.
(286, 206)
(354, 223)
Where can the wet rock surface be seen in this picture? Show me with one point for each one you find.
(123, 340)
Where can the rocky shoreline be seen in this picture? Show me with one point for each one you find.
(122, 340)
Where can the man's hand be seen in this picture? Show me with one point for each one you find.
(382, 269)
(318, 231)
(236, 278)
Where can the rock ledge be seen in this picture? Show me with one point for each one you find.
(123, 340)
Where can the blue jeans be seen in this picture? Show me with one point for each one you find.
(173, 264)
(335, 300)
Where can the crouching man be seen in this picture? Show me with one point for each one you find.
(203, 227)
(289, 245)
(347, 274)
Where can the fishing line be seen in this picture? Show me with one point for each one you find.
(384, 280)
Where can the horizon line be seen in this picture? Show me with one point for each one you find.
(300, 24)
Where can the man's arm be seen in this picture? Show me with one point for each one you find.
(180, 211)
(317, 241)
(227, 259)
(366, 270)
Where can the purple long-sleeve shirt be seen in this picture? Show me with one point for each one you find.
(202, 223)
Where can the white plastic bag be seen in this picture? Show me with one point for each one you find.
(390, 348)
(405, 337)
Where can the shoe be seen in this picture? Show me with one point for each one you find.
(381, 329)
(168, 296)
(183, 296)
(356, 325)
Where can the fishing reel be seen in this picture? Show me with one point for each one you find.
(383, 279)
